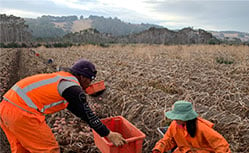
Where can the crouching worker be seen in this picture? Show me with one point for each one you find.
(191, 134)
(25, 104)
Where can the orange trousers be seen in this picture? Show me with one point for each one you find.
(26, 132)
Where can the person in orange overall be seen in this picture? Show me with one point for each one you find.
(24, 106)
(190, 133)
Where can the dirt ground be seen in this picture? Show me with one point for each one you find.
(143, 81)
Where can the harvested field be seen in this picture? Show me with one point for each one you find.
(143, 81)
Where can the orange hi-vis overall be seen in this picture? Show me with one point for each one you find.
(206, 139)
(22, 112)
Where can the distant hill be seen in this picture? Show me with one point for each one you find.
(231, 35)
(50, 26)
(150, 36)
(96, 29)
(166, 36)
(45, 27)
(116, 27)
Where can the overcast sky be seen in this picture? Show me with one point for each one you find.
(219, 15)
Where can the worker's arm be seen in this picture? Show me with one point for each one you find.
(73, 93)
(167, 142)
(215, 140)
(78, 106)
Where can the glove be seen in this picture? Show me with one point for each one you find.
(156, 151)
(116, 138)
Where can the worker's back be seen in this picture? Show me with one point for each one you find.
(39, 92)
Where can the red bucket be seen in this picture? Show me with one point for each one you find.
(132, 135)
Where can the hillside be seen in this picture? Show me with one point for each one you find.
(47, 26)
(59, 26)
(231, 35)
(116, 27)
(82, 24)
(150, 36)
(109, 30)
(50, 26)
(166, 36)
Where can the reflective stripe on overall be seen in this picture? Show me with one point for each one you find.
(23, 92)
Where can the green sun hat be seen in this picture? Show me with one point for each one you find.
(182, 110)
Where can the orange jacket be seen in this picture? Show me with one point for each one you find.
(206, 139)
(39, 93)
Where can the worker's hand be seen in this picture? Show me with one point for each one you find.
(156, 151)
(116, 138)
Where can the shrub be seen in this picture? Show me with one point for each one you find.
(59, 45)
(48, 45)
(38, 45)
(222, 60)
(2, 45)
(24, 45)
(13, 45)
(213, 41)
(103, 45)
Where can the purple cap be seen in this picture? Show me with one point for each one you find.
(85, 68)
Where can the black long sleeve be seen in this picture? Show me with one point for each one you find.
(79, 107)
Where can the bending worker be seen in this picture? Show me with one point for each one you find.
(191, 134)
(25, 104)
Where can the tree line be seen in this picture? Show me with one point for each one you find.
(13, 29)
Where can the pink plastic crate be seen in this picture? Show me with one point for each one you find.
(119, 124)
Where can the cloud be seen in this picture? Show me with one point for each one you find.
(20, 13)
(124, 10)
(210, 15)
(213, 14)
(37, 8)
(74, 4)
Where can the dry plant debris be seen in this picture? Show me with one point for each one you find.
(143, 81)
